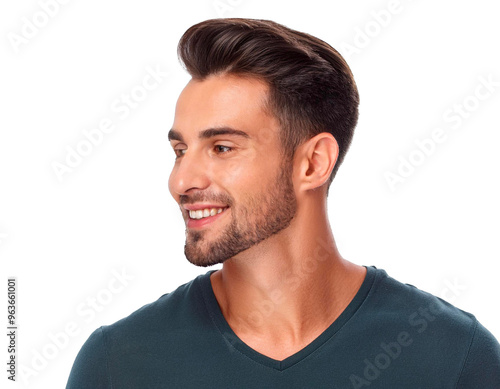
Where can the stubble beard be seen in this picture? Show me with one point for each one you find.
(264, 216)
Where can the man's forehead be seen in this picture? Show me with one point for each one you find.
(231, 80)
(223, 105)
(224, 90)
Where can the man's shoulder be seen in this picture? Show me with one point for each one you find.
(142, 337)
(168, 313)
(398, 300)
(432, 325)
(429, 333)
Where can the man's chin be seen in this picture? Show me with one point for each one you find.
(204, 262)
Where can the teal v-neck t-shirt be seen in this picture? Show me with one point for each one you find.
(391, 335)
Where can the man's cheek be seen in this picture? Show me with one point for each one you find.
(237, 169)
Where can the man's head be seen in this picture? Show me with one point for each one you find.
(311, 87)
(256, 78)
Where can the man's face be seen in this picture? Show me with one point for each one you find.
(244, 174)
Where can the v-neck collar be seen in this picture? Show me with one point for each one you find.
(228, 333)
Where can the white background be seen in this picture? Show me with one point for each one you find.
(62, 240)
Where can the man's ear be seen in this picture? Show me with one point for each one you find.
(315, 160)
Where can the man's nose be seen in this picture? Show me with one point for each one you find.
(191, 172)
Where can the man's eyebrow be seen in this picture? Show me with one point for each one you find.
(208, 133)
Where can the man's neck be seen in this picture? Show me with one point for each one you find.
(280, 295)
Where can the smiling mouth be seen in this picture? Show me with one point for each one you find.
(205, 222)
(205, 213)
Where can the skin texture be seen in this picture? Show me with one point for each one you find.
(283, 281)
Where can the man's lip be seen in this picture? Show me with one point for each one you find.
(200, 223)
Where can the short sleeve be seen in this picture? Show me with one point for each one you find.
(482, 366)
(89, 370)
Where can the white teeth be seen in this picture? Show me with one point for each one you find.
(202, 213)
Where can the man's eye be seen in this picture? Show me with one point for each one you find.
(225, 147)
(176, 153)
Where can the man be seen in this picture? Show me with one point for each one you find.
(259, 134)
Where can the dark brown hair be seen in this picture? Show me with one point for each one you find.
(311, 88)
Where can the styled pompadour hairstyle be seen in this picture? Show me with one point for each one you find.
(311, 87)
